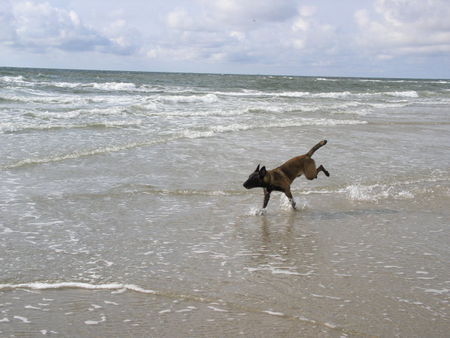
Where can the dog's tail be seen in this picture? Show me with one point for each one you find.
(316, 147)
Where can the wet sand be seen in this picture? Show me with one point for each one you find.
(365, 270)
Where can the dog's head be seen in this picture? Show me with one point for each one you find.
(256, 178)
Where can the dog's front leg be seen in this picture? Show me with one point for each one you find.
(291, 198)
(266, 198)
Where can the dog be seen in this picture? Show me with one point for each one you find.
(281, 178)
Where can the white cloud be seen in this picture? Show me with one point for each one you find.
(405, 27)
(7, 31)
(180, 19)
(264, 31)
(309, 33)
(39, 27)
(245, 13)
(238, 35)
(307, 11)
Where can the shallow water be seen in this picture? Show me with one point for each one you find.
(123, 211)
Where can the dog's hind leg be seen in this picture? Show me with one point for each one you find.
(310, 169)
(321, 168)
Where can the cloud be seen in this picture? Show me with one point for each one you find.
(40, 27)
(405, 27)
(311, 35)
(244, 13)
(265, 32)
(7, 32)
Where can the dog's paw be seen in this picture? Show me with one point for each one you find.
(293, 204)
(257, 212)
(261, 212)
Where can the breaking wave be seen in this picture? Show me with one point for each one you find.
(75, 285)
(181, 96)
(9, 127)
(187, 133)
(207, 98)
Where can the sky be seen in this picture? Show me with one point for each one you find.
(367, 38)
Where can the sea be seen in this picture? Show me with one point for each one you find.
(122, 210)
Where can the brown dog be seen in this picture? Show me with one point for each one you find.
(281, 178)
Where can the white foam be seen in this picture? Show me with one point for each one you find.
(285, 203)
(12, 79)
(20, 126)
(119, 86)
(284, 124)
(31, 307)
(236, 127)
(75, 285)
(207, 98)
(388, 105)
(23, 319)
(95, 322)
(106, 86)
(375, 192)
(326, 79)
(438, 292)
(408, 93)
(257, 212)
(216, 309)
(276, 270)
(5, 230)
(273, 313)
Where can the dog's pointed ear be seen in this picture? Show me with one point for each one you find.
(257, 168)
(262, 172)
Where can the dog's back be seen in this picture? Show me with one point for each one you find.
(299, 165)
(293, 167)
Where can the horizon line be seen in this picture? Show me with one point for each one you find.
(219, 73)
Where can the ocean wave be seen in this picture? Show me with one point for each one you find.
(407, 93)
(206, 98)
(46, 115)
(11, 127)
(82, 153)
(12, 79)
(20, 81)
(51, 99)
(236, 127)
(71, 114)
(327, 79)
(124, 287)
(323, 95)
(75, 285)
(114, 86)
(176, 135)
(347, 107)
